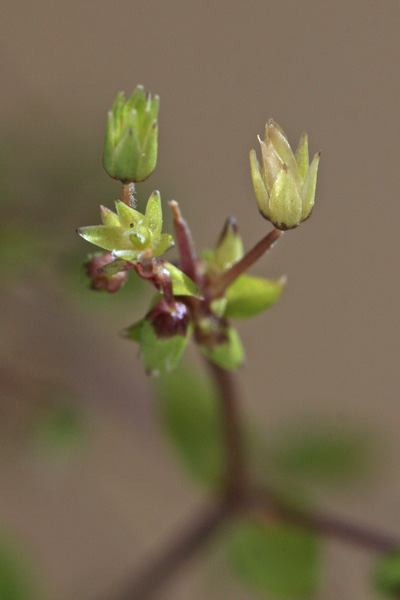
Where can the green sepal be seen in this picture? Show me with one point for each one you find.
(114, 267)
(260, 189)
(301, 157)
(159, 355)
(153, 213)
(229, 249)
(285, 206)
(229, 354)
(182, 285)
(148, 156)
(127, 215)
(386, 575)
(275, 559)
(249, 295)
(108, 217)
(161, 244)
(127, 156)
(109, 238)
(137, 101)
(310, 184)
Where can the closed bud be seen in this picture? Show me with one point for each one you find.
(100, 280)
(130, 146)
(169, 320)
(285, 183)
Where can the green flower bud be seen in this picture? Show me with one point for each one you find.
(130, 146)
(285, 183)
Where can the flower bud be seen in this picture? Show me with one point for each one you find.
(169, 320)
(130, 146)
(285, 183)
(100, 280)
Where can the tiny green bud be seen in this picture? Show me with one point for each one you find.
(285, 183)
(130, 146)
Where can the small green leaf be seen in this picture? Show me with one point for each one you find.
(275, 559)
(133, 332)
(249, 295)
(190, 415)
(160, 355)
(181, 284)
(324, 453)
(229, 354)
(386, 575)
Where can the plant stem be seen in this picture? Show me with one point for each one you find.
(175, 556)
(128, 194)
(187, 253)
(229, 276)
(324, 524)
(236, 474)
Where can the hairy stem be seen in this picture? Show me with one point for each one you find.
(252, 256)
(128, 194)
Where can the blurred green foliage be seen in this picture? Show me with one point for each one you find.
(18, 579)
(386, 575)
(190, 416)
(275, 559)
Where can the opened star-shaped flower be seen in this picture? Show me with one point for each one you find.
(127, 233)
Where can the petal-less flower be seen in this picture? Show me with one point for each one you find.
(285, 183)
(128, 232)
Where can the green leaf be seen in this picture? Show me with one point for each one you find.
(133, 332)
(181, 284)
(249, 295)
(386, 575)
(17, 581)
(277, 560)
(160, 355)
(324, 453)
(229, 354)
(190, 415)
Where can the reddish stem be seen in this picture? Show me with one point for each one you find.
(187, 253)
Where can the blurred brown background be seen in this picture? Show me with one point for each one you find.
(329, 350)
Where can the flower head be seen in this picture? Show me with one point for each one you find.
(285, 183)
(130, 146)
(127, 233)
